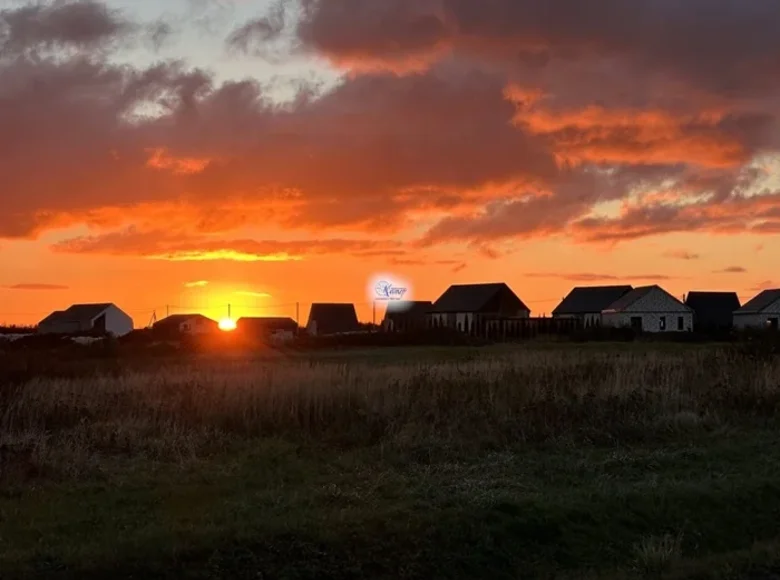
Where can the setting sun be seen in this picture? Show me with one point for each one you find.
(227, 324)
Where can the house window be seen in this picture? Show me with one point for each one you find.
(680, 323)
(662, 323)
(636, 323)
(772, 323)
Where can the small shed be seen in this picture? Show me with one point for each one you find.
(762, 312)
(328, 319)
(193, 324)
(712, 310)
(586, 303)
(466, 306)
(649, 309)
(99, 319)
(402, 316)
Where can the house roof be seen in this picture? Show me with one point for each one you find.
(627, 300)
(471, 297)
(81, 313)
(588, 299)
(334, 318)
(761, 302)
(708, 304)
(266, 324)
(176, 319)
(409, 309)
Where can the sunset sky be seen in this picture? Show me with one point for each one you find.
(200, 153)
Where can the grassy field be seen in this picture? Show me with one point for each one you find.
(544, 461)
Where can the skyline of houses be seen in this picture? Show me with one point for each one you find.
(467, 308)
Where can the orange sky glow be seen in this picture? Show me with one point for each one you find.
(287, 153)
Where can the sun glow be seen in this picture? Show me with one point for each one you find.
(227, 325)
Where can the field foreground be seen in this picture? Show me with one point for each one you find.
(570, 463)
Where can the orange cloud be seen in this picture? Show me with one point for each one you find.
(597, 134)
(518, 122)
(223, 255)
(161, 159)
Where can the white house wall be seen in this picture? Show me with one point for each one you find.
(651, 321)
(758, 321)
(117, 322)
(655, 305)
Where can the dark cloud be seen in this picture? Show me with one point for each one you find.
(728, 45)
(590, 277)
(36, 287)
(176, 247)
(682, 255)
(521, 119)
(254, 37)
(83, 24)
(731, 270)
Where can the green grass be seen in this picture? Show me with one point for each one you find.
(567, 463)
(293, 512)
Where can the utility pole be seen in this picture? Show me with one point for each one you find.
(374, 313)
(298, 313)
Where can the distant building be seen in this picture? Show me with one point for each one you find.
(194, 324)
(100, 319)
(763, 311)
(405, 316)
(327, 319)
(712, 310)
(586, 303)
(271, 330)
(467, 306)
(649, 309)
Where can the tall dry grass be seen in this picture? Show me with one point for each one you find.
(68, 425)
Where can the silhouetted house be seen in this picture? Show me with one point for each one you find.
(586, 303)
(712, 310)
(649, 309)
(98, 319)
(403, 316)
(326, 319)
(763, 311)
(468, 306)
(267, 329)
(194, 324)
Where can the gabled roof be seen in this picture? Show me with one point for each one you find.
(53, 317)
(709, 304)
(177, 319)
(761, 302)
(81, 313)
(627, 300)
(590, 299)
(409, 309)
(471, 297)
(334, 318)
(266, 324)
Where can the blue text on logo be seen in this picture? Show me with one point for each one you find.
(386, 291)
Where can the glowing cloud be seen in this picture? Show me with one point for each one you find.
(225, 255)
(254, 294)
